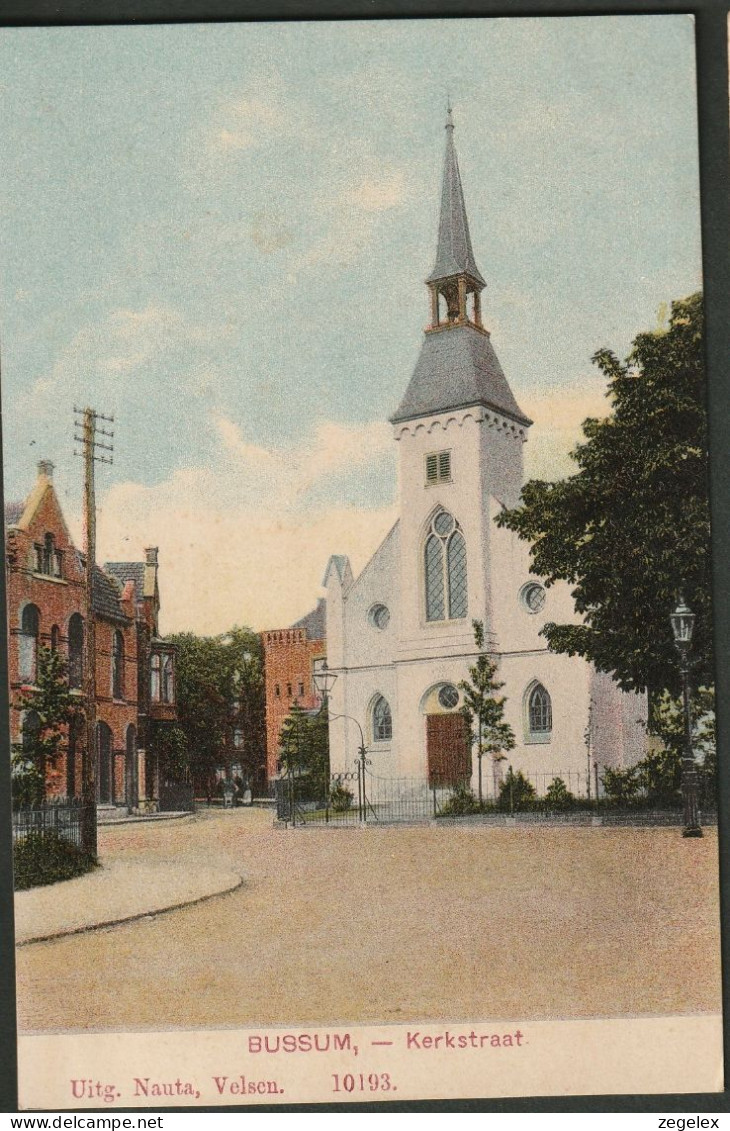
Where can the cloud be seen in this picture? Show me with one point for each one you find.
(289, 475)
(558, 417)
(107, 359)
(223, 565)
(245, 543)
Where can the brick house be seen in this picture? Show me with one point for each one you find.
(289, 659)
(47, 607)
(155, 674)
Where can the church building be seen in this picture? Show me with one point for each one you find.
(400, 636)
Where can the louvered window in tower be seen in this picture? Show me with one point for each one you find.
(438, 467)
(445, 570)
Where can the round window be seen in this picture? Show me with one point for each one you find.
(533, 597)
(448, 696)
(443, 524)
(379, 616)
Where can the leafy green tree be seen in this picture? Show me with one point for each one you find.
(55, 709)
(220, 690)
(630, 530)
(171, 746)
(483, 709)
(304, 743)
(661, 770)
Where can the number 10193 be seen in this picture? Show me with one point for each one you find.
(363, 1082)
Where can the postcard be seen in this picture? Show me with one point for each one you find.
(358, 572)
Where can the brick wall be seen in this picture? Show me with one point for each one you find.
(288, 663)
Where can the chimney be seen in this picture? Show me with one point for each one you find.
(151, 555)
(45, 467)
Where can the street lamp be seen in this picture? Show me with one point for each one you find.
(324, 680)
(683, 622)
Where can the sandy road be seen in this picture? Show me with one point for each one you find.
(348, 925)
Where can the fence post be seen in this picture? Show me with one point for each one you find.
(595, 775)
(433, 790)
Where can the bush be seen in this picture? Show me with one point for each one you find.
(620, 786)
(516, 793)
(46, 858)
(460, 803)
(558, 795)
(340, 798)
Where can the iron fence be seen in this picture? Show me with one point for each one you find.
(60, 818)
(362, 797)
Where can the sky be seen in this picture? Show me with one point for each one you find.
(219, 234)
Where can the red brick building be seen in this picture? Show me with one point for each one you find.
(289, 658)
(47, 607)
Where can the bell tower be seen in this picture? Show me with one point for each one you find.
(456, 283)
(460, 434)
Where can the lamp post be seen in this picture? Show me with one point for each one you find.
(683, 621)
(324, 680)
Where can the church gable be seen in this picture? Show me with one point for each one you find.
(372, 606)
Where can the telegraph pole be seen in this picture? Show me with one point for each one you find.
(86, 430)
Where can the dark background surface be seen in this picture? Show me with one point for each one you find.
(712, 69)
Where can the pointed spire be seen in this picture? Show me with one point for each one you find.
(454, 255)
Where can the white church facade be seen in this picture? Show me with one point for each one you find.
(400, 636)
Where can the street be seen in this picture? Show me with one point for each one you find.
(393, 924)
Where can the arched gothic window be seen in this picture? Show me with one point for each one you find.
(76, 651)
(445, 569)
(29, 631)
(382, 720)
(118, 666)
(539, 714)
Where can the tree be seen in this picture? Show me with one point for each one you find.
(220, 691)
(171, 746)
(304, 743)
(483, 710)
(661, 770)
(630, 530)
(53, 709)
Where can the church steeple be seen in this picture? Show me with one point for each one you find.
(455, 275)
(457, 367)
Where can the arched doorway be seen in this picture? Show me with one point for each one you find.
(104, 765)
(448, 747)
(130, 768)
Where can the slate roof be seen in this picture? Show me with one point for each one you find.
(457, 367)
(315, 622)
(106, 596)
(123, 572)
(454, 254)
(13, 513)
